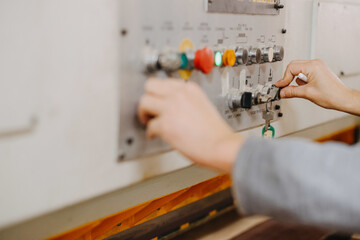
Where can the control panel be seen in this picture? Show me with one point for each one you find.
(233, 49)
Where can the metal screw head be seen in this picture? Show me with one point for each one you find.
(123, 32)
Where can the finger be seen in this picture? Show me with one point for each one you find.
(300, 82)
(149, 107)
(153, 128)
(292, 70)
(163, 87)
(292, 91)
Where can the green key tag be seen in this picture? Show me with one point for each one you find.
(269, 133)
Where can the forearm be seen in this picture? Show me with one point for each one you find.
(351, 102)
(299, 181)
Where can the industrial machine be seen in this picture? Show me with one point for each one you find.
(234, 50)
(72, 150)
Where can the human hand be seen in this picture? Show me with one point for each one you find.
(181, 114)
(323, 87)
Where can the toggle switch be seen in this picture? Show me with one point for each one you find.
(204, 60)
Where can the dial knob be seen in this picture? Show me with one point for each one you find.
(254, 56)
(268, 54)
(242, 56)
(229, 58)
(240, 100)
(170, 61)
(204, 60)
(279, 53)
(246, 100)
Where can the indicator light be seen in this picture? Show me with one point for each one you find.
(218, 59)
(184, 61)
(204, 60)
(229, 58)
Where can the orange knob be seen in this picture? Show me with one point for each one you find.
(229, 58)
(204, 60)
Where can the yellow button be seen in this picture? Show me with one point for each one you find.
(229, 58)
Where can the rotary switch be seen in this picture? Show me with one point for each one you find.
(250, 98)
(242, 56)
(254, 56)
(240, 100)
(204, 60)
(279, 53)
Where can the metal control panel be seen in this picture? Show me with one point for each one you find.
(233, 49)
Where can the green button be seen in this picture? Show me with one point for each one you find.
(184, 61)
(218, 59)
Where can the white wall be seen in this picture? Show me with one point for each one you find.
(59, 104)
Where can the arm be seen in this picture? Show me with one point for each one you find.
(323, 88)
(291, 180)
(181, 114)
(299, 181)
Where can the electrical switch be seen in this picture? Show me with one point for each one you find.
(242, 56)
(279, 53)
(254, 56)
(268, 55)
(240, 100)
(204, 60)
(248, 99)
(229, 58)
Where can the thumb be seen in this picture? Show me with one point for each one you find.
(293, 91)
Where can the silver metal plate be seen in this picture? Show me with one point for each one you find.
(242, 7)
(145, 24)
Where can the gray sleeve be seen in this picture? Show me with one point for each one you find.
(300, 181)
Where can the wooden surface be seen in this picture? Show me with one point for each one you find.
(273, 230)
(121, 221)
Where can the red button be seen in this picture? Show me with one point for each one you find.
(204, 60)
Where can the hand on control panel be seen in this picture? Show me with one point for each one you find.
(323, 87)
(181, 114)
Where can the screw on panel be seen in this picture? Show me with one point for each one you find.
(123, 32)
(283, 31)
(277, 107)
(129, 141)
(342, 73)
(278, 6)
(280, 114)
(121, 158)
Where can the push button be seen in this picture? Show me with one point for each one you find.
(204, 60)
(229, 58)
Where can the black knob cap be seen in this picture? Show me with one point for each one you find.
(277, 107)
(278, 6)
(246, 100)
(280, 114)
